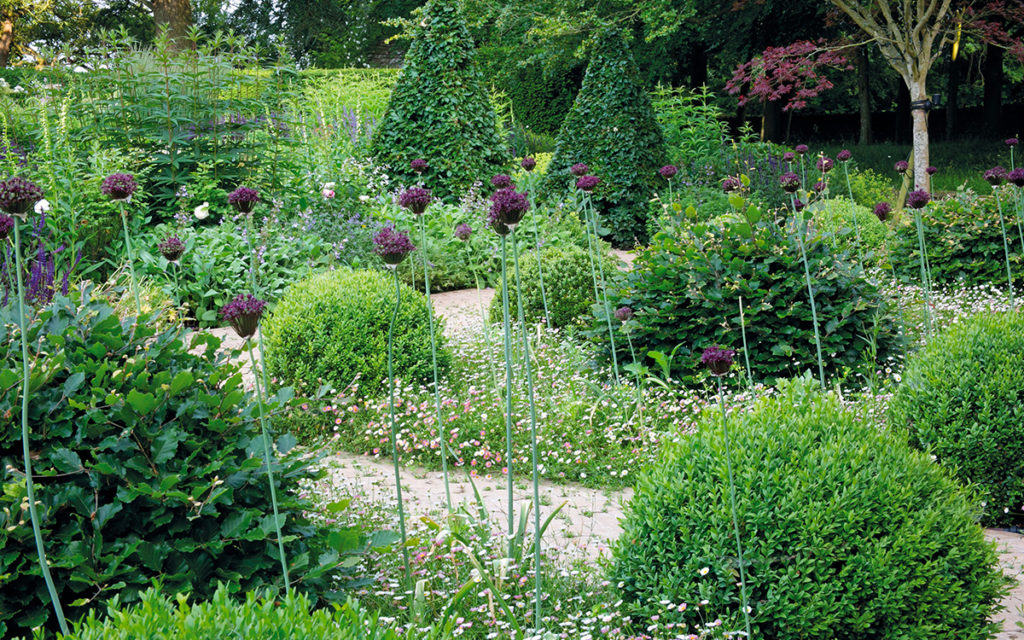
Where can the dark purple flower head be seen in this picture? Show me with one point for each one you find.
(587, 183)
(463, 232)
(931, 171)
(882, 211)
(392, 246)
(243, 314)
(789, 156)
(501, 181)
(172, 248)
(824, 164)
(495, 223)
(415, 199)
(419, 165)
(6, 226)
(799, 205)
(801, 149)
(918, 199)
(579, 169)
(1011, 142)
(844, 155)
(819, 186)
(668, 171)
(1016, 176)
(244, 199)
(119, 186)
(717, 359)
(528, 163)
(18, 196)
(789, 182)
(995, 176)
(509, 206)
(623, 314)
(901, 166)
(731, 184)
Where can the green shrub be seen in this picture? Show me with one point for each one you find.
(836, 217)
(541, 96)
(332, 328)
(847, 532)
(612, 128)
(962, 399)
(145, 446)
(692, 123)
(567, 282)
(287, 618)
(686, 287)
(868, 187)
(440, 109)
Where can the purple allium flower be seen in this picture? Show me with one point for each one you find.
(623, 314)
(819, 186)
(419, 165)
(172, 248)
(931, 171)
(901, 166)
(789, 156)
(1011, 142)
(509, 206)
(18, 196)
(392, 246)
(824, 164)
(587, 183)
(995, 176)
(243, 314)
(415, 199)
(844, 155)
(717, 359)
(799, 205)
(882, 211)
(501, 181)
(918, 199)
(463, 232)
(731, 184)
(244, 199)
(789, 182)
(119, 186)
(496, 225)
(6, 226)
(528, 163)
(1016, 176)
(801, 149)
(668, 171)
(579, 169)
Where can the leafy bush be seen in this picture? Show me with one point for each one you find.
(692, 123)
(540, 95)
(963, 240)
(567, 282)
(612, 128)
(962, 399)
(836, 217)
(440, 109)
(868, 187)
(847, 532)
(332, 328)
(686, 287)
(149, 464)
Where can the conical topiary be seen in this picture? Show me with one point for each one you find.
(612, 129)
(439, 109)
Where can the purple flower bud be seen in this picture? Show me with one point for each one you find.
(392, 246)
(819, 186)
(789, 156)
(243, 314)
(717, 359)
(824, 164)
(801, 149)
(579, 169)
(18, 196)
(668, 171)
(1011, 142)
(528, 163)
(6, 226)
(244, 199)
(587, 183)
(1016, 176)
(119, 186)
(882, 211)
(172, 248)
(495, 223)
(789, 182)
(623, 314)
(509, 206)
(463, 232)
(731, 184)
(901, 166)
(799, 205)
(918, 199)
(931, 171)
(995, 176)
(501, 181)
(415, 199)
(844, 155)
(419, 165)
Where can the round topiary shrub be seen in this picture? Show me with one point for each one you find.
(332, 328)
(567, 282)
(962, 400)
(847, 531)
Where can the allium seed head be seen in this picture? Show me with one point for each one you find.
(1012, 142)
(995, 176)
(789, 182)
(587, 183)
(243, 314)
(172, 248)
(624, 314)
(668, 171)
(463, 232)
(509, 206)
(528, 163)
(119, 186)
(1016, 177)
(415, 199)
(882, 211)
(801, 149)
(18, 196)
(789, 156)
(717, 359)
(244, 199)
(6, 226)
(501, 181)
(824, 164)
(931, 171)
(731, 184)
(392, 246)
(579, 169)
(901, 166)
(918, 199)
(419, 165)
(844, 155)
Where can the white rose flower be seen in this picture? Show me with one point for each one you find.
(203, 211)
(42, 206)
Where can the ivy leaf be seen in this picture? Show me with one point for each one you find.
(142, 403)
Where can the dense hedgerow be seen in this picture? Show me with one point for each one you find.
(847, 532)
(836, 217)
(962, 400)
(332, 328)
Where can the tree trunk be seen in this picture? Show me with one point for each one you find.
(993, 74)
(864, 95)
(953, 97)
(6, 40)
(176, 17)
(919, 117)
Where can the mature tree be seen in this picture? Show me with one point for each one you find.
(176, 17)
(15, 17)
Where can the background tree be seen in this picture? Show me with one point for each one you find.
(176, 17)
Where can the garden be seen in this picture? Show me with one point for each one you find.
(352, 353)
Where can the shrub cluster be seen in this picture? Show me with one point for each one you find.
(836, 217)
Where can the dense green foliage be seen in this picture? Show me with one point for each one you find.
(962, 400)
(847, 532)
(149, 464)
(541, 96)
(440, 109)
(332, 328)
(836, 218)
(612, 128)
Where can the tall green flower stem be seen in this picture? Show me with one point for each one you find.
(131, 259)
(536, 240)
(1006, 248)
(483, 314)
(604, 286)
(925, 279)
(533, 440)
(508, 390)
(895, 282)
(44, 567)
(746, 352)
(590, 245)
(254, 285)
(853, 208)
(800, 227)
(442, 436)
(1020, 215)
(732, 502)
(270, 471)
(394, 428)
(639, 380)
